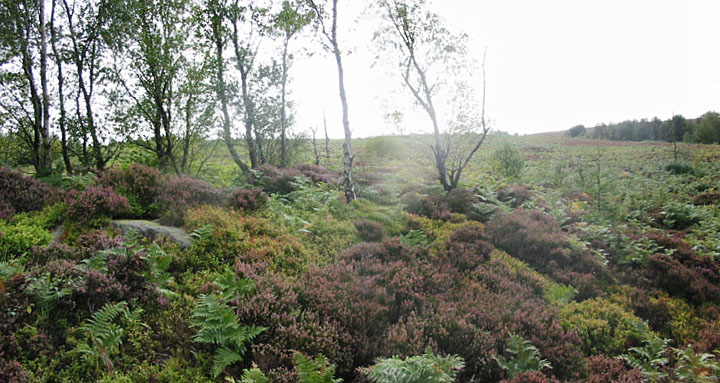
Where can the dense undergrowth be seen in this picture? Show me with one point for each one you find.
(583, 263)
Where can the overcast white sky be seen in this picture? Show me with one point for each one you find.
(551, 64)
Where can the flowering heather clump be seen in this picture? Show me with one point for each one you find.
(141, 184)
(432, 206)
(467, 247)
(278, 181)
(530, 377)
(317, 173)
(6, 210)
(183, 193)
(697, 281)
(19, 193)
(387, 299)
(95, 202)
(536, 238)
(606, 370)
(461, 200)
(11, 371)
(248, 199)
(369, 231)
(515, 195)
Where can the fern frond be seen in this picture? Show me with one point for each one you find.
(105, 335)
(217, 324)
(224, 357)
(253, 375)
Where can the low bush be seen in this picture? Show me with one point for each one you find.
(95, 202)
(19, 239)
(369, 231)
(11, 371)
(19, 193)
(514, 195)
(536, 238)
(224, 236)
(680, 168)
(467, 247)
(611, 370)
(509, 161)
(679, 215)
(432, 206)
(696, 280)
(530, 377)
(461, 200)
(317, 174)
(604, 327)
(709, 198)
(140, 184)
(249, 200)
(183, 193)
(277, 181)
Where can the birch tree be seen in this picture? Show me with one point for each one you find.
(434, 69)
(327, 20)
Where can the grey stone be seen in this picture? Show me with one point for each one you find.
(150, 229)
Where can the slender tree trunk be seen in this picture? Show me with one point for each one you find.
(347, 145)
(327, 140)
(44, 154)
(249, 117)
(315, 148)
(62, 122)
(283, 118)
(169, 145)
(188, 134)
(222, 95)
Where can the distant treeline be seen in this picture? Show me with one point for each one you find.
(704, 129)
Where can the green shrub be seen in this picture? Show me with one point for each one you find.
(680, 168)
(317, 370)
(225, 235)
(525, 357)
(425, 368)
(604, 327)
(650, 358)
(509, 160)
(174, 370)
(679, 215)
(105, 334)
(18, 239)
(217, 324)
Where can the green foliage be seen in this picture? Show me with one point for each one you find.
(560, 293)
(425, 368)
(157, 273)
(174, 370)
(509, 161)
(217, 324)
(47, 292)
(317, 370)
(415, 238)
(576, 131)
(605, 327)
(251, 375)
(678, 168)
(48, 218)
(525, 357)
(649, 358)
(105, 334)
(696, 367)
(17, 240)
(679, 215)
(707, 130)
(379, 147)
